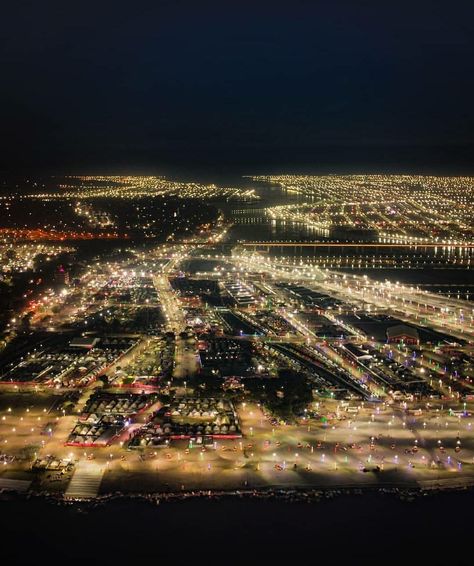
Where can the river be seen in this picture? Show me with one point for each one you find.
(348, 529)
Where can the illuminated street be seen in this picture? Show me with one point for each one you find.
(212, 361)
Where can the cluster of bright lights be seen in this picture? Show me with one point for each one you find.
(132, 187)
(21, 257)
(396, 208)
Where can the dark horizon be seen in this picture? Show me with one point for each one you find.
(242, 88)
(209, 165)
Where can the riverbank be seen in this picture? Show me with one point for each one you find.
(290, 495)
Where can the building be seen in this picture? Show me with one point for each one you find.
(357, 353)
(402, 333)
(61, 276)
(86, 342)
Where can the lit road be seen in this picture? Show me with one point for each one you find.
(406, 302)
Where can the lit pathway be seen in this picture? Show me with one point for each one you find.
(14, 485)
(86, 480)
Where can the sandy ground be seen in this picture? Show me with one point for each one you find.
(309, 454)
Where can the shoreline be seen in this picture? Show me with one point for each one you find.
(289, 495)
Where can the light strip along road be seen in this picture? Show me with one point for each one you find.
(352, 245)
(313, 358)
(306, 244)
(406, 302)
(307, 359)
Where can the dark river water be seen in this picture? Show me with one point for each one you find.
(351, 529)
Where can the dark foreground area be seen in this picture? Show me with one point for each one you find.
(350, 529)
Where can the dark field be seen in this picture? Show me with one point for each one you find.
(364, 529)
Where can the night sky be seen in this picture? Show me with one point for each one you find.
(237, 86)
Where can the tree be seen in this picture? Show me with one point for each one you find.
(104, 379)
